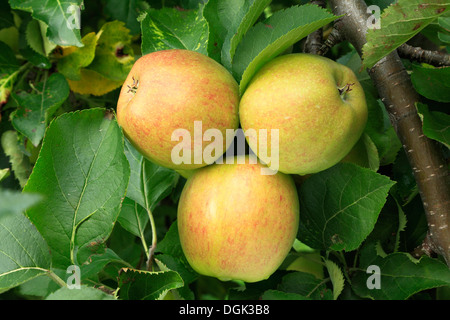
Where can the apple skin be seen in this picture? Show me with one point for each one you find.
(175, 88)
(298, 94)
(235, 223)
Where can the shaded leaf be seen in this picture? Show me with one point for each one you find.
(306, 285)
(147, 285)
(431, 82)
(9, 67)
(149, 182)
(340, 206)
(20, 163)
(401, 276)
(126, 11)
(133, 217)
(436, 125)
(280, 295)
(35, 109)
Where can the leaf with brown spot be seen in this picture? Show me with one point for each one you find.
(399, 23)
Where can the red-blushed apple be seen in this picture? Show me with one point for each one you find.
(317, 105)
(236, 223)
(168, 92)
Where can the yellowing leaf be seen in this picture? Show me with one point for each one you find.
(75, 58)
(92, 82)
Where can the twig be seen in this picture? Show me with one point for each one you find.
(399, 97)
(334, 38)
(434, 58)
(314, 40)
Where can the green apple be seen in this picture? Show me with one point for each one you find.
(173, 91)
(316, 104)
(236, 223)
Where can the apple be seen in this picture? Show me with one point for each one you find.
(236, 223)
(172, 90)
(317, 105)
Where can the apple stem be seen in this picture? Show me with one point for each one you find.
(134, 86)
(347, 88)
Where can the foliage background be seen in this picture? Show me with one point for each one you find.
(65, 163)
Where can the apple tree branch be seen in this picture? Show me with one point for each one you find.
(399, 97)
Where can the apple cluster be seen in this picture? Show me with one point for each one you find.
(235, 222)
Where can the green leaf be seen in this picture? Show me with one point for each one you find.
(228, 22)
(171, 244)
(400, 22)
(83, 172)
(147, 285)
(35, 109)
(436, 125)
(431, 82)
(9, 67)
(306, 285)
(35, 35)
(336, 276)
(406, 187)
(59, 15)
(340, 206)
(401, 276)
(235, 35)
(84, 293)
(133, 217)
(25, 50)
(15, 202)
(268, 39)
(379, 127)
(126, 11)
(167, 262)
(20, 163)
(97, 263)
(149, 182)
(171, 28)
(6, 17)
(114, 55)
(70, 65)
(280, 295)
(4, 173)
(24, 254)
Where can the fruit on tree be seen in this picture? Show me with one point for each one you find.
(317, 105)
(236, 223)
(173, 89)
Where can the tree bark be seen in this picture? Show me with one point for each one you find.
(314, 40)
(435, 58)
(399, 97)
